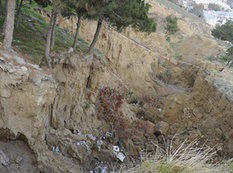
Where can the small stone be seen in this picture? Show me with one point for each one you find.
(149, 147)
(18, 159)
(91, 137)
(162, 127)
(24, 68)
(5, 92)
(4, 160)
(108, 135)
(92, 99)
(195, 134)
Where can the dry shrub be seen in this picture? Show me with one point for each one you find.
(108, 107)
(165, 77)
(148, 99)
(108, 104)
(186, 158)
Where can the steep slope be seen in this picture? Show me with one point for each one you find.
(150, 63)
(54, 111)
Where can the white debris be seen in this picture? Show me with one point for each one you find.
(57, 149)
(104, 170)
(121, 156)
(116, 149)
(160, 109)
(39, 100)
(91, 136)
(99, 143)
(85, 143)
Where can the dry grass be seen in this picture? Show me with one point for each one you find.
(186, 158)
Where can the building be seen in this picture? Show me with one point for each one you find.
(217, 17)
(186, 3)
(206, 6)
(221, 3)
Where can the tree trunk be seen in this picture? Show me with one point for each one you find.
(77, 32)
(0, 7)
(17, 4)
(9, 24)
(53, 35)
(95, 36)
(4, 25)
(231, 63)
(48, 40)
(30, 2)
(18, 13)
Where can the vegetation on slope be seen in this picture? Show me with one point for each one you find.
(119, 14)
(172, 26)
(30, 36)
(225, 32)
(186, 158)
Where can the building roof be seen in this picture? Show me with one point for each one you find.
(218, 2)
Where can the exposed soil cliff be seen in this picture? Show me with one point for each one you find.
(54, 113)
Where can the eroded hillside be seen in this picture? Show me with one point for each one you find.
(168, 87)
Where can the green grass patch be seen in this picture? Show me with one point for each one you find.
(30, 36)
(32, 14)
(169, 168)
(87, 106)
(176, 48)
(224, 58)
(231, 167)
(161, 167)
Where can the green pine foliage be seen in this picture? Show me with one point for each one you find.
(224, 32)
(171, 26)
(43, 3)
(132, 13)
(74, 7)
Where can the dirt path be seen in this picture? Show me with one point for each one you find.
(173, 89)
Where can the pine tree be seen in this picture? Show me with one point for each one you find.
(133, 13)
(224, 32)
(121, 14)
(50, 40)
(18, 13)
(78, 8)
(99, 10)
(43, 3)
(0, 7)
